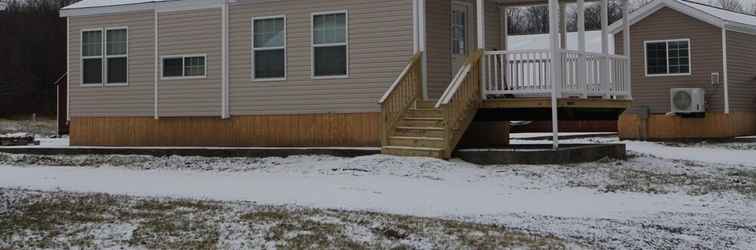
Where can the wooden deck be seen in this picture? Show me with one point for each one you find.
(545, 102)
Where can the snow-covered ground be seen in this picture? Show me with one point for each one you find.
(663, 196)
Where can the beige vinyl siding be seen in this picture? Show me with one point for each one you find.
(706, 57)
(438, 46)
(439, 40)
(379, 47)
(187, 33)
(136, 99)
(741, 71)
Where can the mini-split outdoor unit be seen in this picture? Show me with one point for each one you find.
(687, 100)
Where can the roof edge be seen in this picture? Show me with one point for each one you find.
(651, 8)
(159, 6)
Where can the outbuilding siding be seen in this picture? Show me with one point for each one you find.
(380, 45)
(191, 32)
(706, 57)
(136, 99)
(741, 71)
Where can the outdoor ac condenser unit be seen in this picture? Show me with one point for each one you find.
(687, 100)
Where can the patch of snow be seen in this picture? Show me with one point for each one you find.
(14, 135)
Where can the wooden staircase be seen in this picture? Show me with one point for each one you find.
(415, 127)
(419, 132)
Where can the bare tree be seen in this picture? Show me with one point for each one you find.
(731, 5)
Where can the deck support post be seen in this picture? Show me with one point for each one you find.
(556, 68)
(626, 47)
(604, 64)
(581, 79)
(481, 30)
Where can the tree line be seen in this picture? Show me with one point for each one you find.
(535, 19)
(32, 55)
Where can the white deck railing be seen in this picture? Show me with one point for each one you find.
(528, 73)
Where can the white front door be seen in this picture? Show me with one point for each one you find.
(461, 35)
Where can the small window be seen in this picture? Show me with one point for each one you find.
(329, 44)
(91, 57)
(191, 66)
(668, 57)
(269, 48)
(117, 56)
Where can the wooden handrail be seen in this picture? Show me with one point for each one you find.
(402, 94)
(461, 101)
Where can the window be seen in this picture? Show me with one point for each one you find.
(117, 56)
(329, 44)
(104, 56)
(269, 48)
(91, 57)
(186, 66)
(459, 32)
(670, 57)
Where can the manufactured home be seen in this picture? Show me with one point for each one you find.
(415, 77)
(693, 72)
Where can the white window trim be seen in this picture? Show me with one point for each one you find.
(82, 58)
(183, 67)
(690, 57)
(285, 45)
(313, 45)
(106, 57)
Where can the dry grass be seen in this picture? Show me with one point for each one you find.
(57, 220)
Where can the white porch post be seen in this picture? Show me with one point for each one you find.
(420, 37)
(480, 11)
(626, 38)
(581, 79)
(481, 24)
(563, 24)
(604, 75)
(556, 68)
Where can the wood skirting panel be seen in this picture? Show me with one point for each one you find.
(663, 127)
(324, 130)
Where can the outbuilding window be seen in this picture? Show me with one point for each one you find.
(104, 56)
(91, 57)
(668, 58)
(269, 48)
(329, 44)
(117, 56)
(184, 67)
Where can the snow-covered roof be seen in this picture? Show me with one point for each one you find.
(713, 15)
(106, 3)
(99, 7)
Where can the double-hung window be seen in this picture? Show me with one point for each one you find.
(91, 57)
(667, 58)
(184, 66)
(329, 44)
(104, 56)
(269, 48)
(116, 53)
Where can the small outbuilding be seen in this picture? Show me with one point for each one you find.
(693, 72)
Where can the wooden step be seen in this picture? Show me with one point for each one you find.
(417, 112)
(419, 132)
(425, 104)
(409, 141)
(413, 151)
(422, 122)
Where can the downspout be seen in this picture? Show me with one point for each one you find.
(224, 63)
(68, 69)
(724, 70)
(157, 64)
